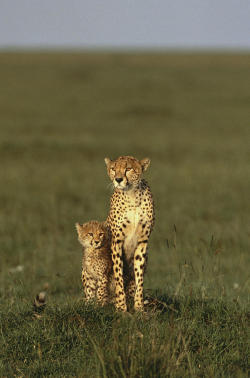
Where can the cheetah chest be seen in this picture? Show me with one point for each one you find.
(96, 264)
(133, 218)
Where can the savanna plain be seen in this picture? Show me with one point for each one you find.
(61, 114)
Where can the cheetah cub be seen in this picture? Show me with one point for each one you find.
(131, 220)
(96, 262)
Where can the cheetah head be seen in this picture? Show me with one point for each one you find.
(126, 171)
(92, 234)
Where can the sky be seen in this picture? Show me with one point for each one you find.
(125, 24)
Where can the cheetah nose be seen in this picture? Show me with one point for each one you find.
(118, 179)
(96, 242)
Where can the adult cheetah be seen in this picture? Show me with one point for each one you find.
(131, 220)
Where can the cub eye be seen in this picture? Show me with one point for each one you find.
(112, 170)
(90, 233)
(128, 169)
(101, 234)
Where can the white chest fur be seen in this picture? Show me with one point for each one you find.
(133, 216)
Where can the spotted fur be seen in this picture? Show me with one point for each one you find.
(97, 262)
(131, 220)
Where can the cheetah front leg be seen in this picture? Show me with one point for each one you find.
(130, 291)
(139, 267)
(89, 285)
(120, 298)
(102, 291)
(83, 279)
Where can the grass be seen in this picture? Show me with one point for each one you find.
(60, 115)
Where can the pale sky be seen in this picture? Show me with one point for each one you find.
(125, 23)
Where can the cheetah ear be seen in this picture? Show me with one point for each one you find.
(107, 161)
(145, 164)
(78, 228)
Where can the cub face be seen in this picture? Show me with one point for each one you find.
(92, 234)
(126, 171)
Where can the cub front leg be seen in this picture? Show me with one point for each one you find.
(139, 268)
(120, 298)
(102, 291)
(83, 279)
(130, 290)
(89, 285)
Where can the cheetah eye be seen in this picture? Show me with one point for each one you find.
(101, 234)
(90, 233)
(129, 169)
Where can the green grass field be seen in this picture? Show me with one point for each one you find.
(60, 115)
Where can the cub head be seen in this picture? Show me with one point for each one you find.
(126, 171)
(92, 234)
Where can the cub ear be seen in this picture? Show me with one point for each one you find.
(107, 161)
(78, 228)
(145, 164)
